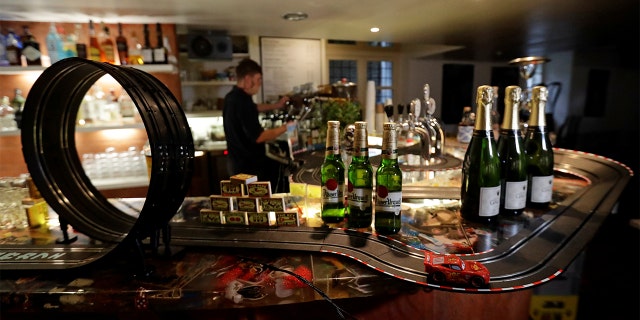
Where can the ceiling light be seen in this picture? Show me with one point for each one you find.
(375, 29)
(295, 16)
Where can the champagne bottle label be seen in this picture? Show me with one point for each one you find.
(360, 198)
(541, 189)
(391, 202)
(515, 195)
(489, 201)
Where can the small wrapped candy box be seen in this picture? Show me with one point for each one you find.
(234, 218)
(244, 180)
(287, 218)
(259, 189)
(264, 218)
(208, 216)
(248, 204)
(272, 204)
(221, 203)
(231, 189)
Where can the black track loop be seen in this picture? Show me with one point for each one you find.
(49, 149)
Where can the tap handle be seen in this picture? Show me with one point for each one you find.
(427, 92)
(416, 107)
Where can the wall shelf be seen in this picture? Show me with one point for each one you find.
(213, 83)
(151, 68)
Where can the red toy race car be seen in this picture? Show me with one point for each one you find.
(449, 268)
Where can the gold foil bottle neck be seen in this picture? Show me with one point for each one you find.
(333, 137)
(389, 141)
(484, 101)
(360, 137)
(539, 95)
(512, 98)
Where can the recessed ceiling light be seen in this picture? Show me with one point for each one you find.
(375, 29)
(295, 16)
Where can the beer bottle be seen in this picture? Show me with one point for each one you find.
(480, 191)
(539, 153)
(387, 219)
(513, 163)
(360, 181)
(332, 176)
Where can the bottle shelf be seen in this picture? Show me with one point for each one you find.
(151, 68)
(212, 83)
(91, 128)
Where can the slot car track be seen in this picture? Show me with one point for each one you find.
(536, 254)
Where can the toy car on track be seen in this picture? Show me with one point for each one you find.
(449, 268)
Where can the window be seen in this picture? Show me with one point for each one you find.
(381, 72)
(339, 69)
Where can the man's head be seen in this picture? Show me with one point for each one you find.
(249, 75)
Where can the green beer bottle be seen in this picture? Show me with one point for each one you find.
(539, 153)
(332, 175)
(360, 181)
(388, 184)
(480, 191)
(513, 163)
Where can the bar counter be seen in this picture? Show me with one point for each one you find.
(223, 270)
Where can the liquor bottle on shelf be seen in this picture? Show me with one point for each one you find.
(387, 217)
(332, 176)
(480, 191)
(465, 127)
(14, 48)
(68, 43)
(107, 45)
(18, 103)
(147, 50)
(135, 51)
(30, 48)
(122, 46)
(360, 181)
(81, 46)
(159, 52)
(95, 52)
(513, 163)
(54, 44)
(539, 152)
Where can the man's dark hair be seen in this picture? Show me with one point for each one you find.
(247, 67)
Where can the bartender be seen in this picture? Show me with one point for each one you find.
(244, 134)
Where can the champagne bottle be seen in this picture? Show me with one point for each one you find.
(122, 46)
(360, 180)
(332, 176)
(513, 163)
(147, 50)
(480, 191)
(539, 153)
(159, 52)
(387, 219)
(30, 48)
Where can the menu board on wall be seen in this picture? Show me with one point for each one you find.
(288, 63)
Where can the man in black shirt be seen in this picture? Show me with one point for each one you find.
(244, 134)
